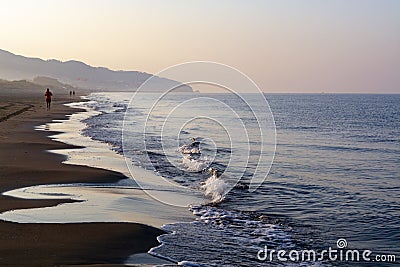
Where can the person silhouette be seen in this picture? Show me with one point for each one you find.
(48, 96)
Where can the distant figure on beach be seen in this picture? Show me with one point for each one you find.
(73, 93)
(70, 93)
(48, 96)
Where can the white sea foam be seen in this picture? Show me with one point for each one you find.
(195, 165)
(187, 149)
(215, 187)
(188, 263)
(259, 231)
(217, 231)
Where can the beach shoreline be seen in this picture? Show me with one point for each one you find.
(25, 161)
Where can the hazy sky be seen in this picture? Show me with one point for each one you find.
(284, 46)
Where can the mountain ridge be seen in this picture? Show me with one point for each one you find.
(79, 74)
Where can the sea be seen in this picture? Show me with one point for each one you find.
(330, 173)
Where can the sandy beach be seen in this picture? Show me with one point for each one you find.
(24, 161)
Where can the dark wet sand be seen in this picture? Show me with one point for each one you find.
(25, 162)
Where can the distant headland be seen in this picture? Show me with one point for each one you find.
(25, 71)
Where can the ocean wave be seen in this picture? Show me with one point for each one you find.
(220, 237)
(195, 164)
(216, 188)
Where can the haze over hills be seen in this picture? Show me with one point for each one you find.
(78, 74)
(35, 87)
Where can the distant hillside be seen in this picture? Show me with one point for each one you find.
(38, 85)
(18, 85)
(78, 74)
(52, 83)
